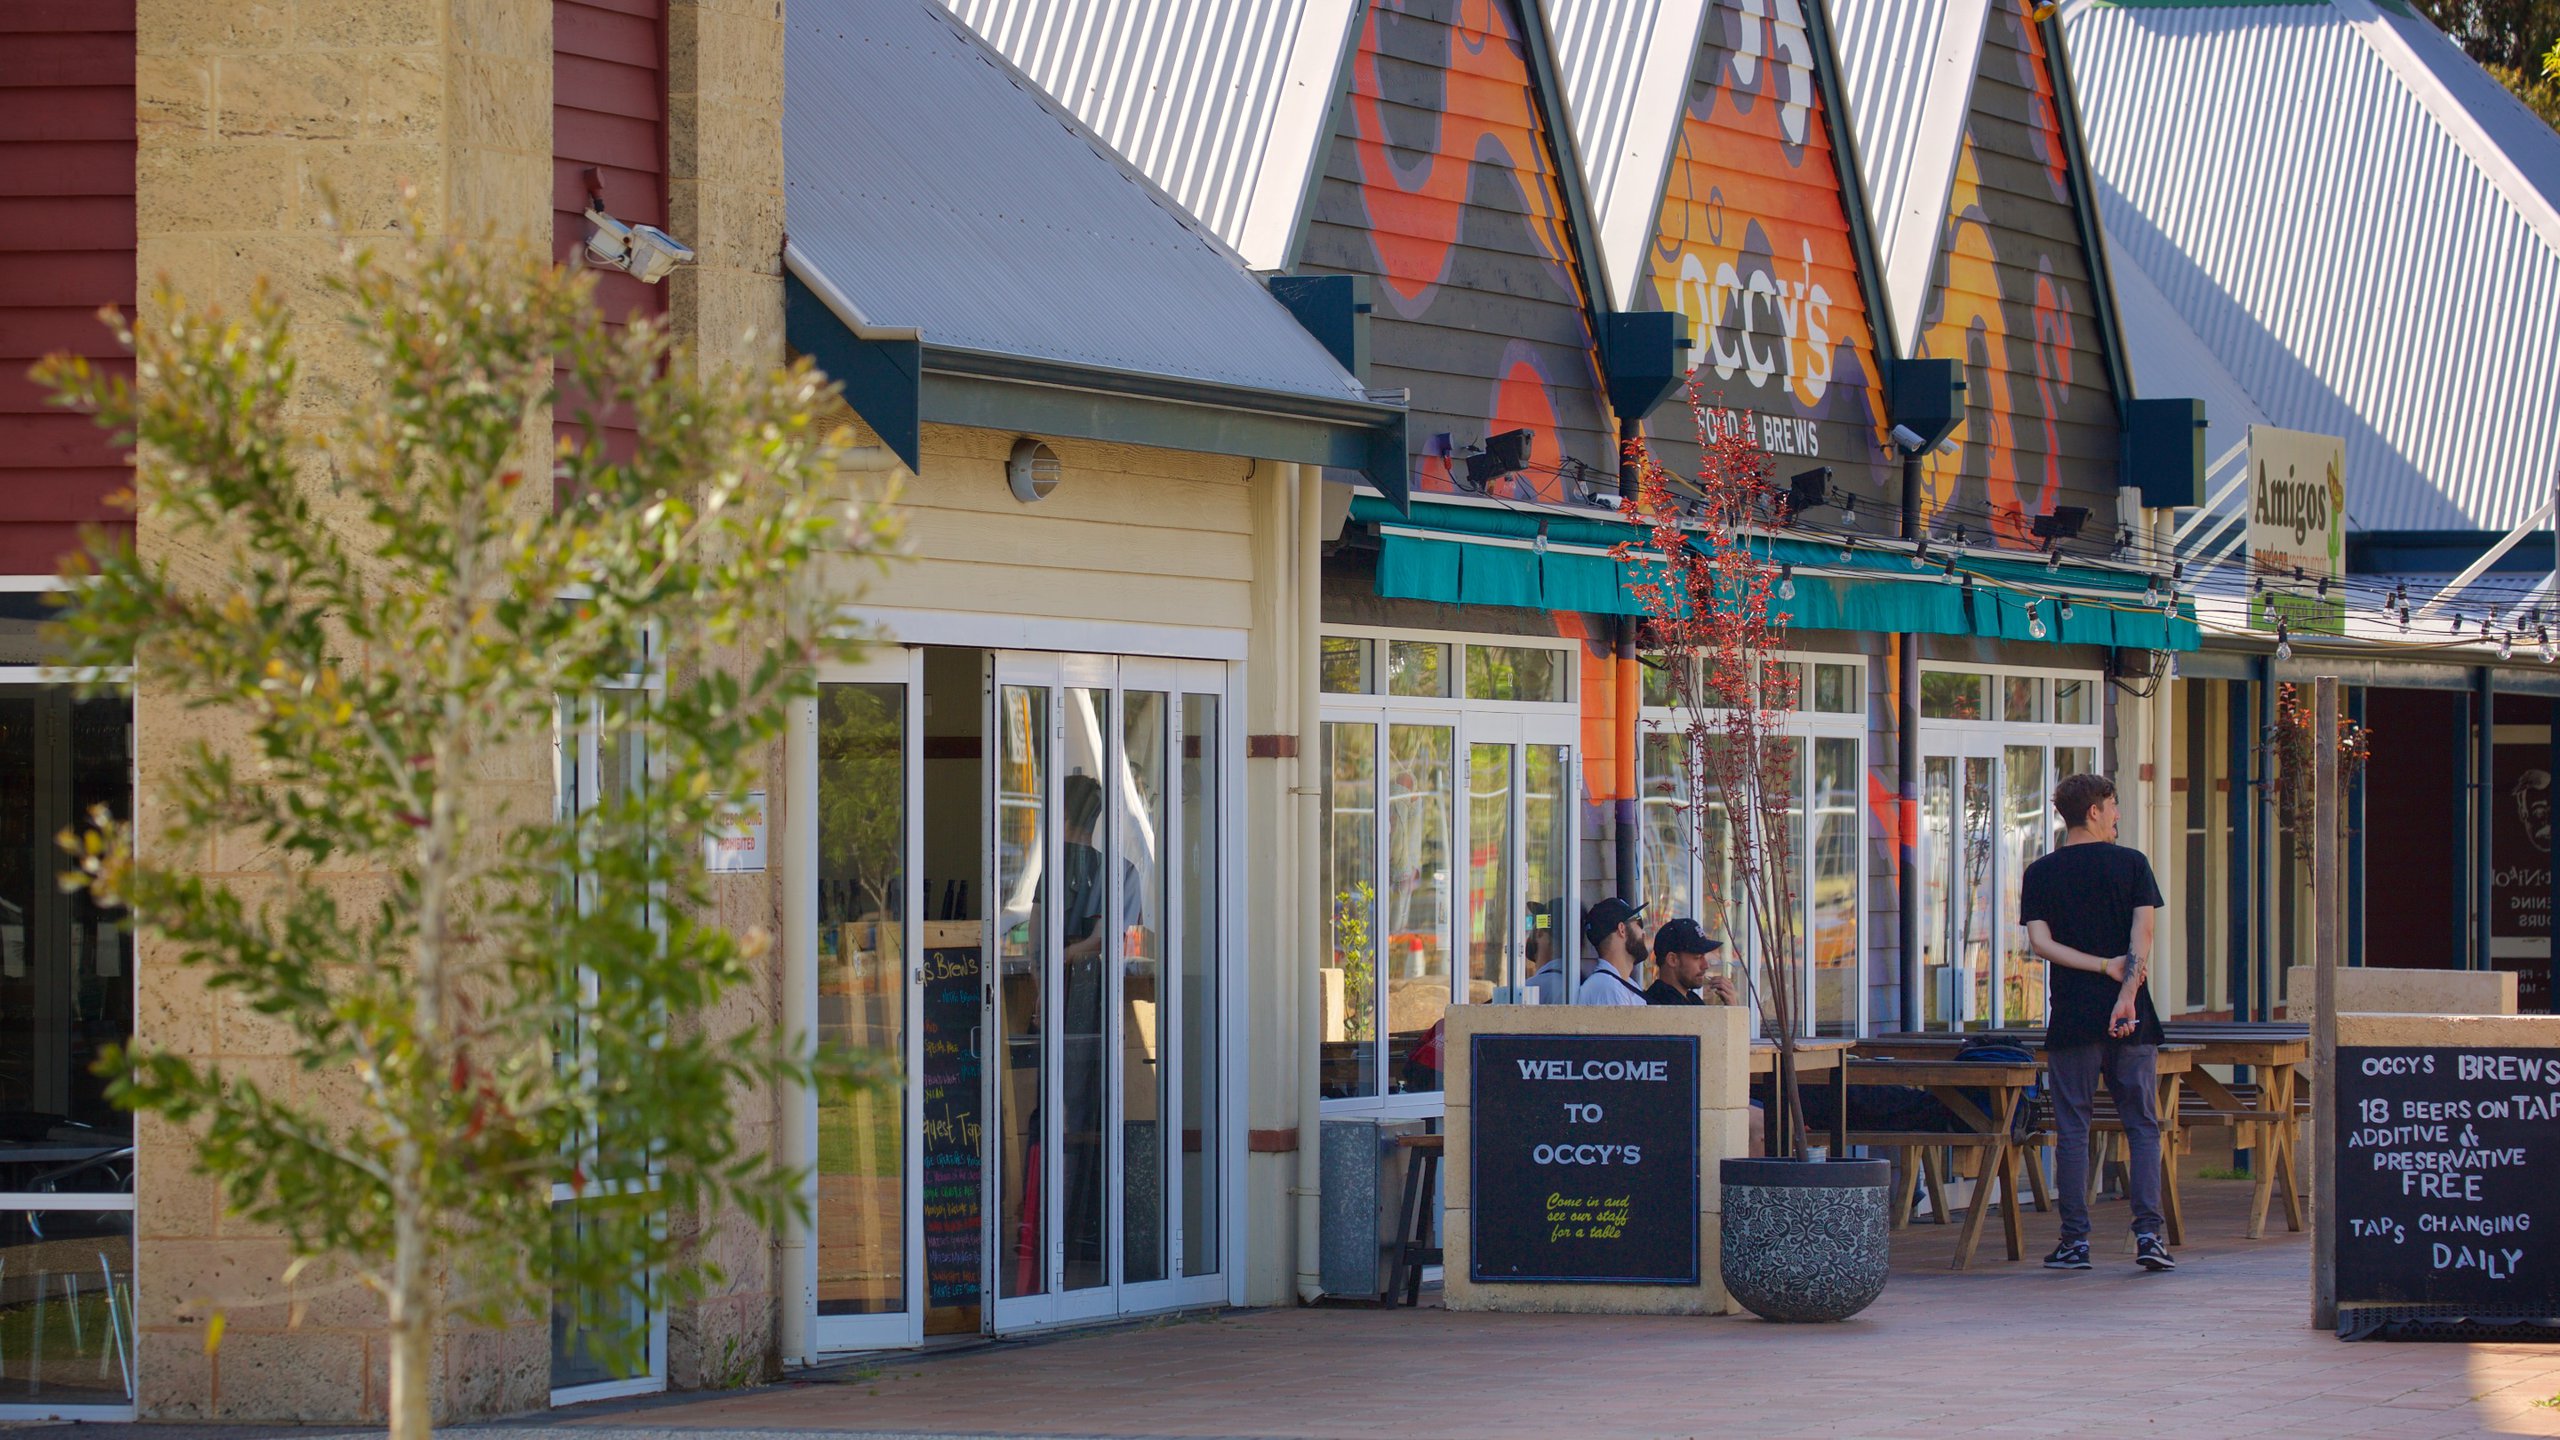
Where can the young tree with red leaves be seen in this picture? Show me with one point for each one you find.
(1710, 596)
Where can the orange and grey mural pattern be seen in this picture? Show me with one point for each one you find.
(2013, 299)
(1754, 246)
(1441, 185)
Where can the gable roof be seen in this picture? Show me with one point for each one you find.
(1756, 240)
(932, 188)
(1223, 104)
(1624, 68)
(2405, 306)
(1907, 67)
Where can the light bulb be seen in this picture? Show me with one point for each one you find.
(1848, 550)
(2542, 643)
(1920, 557)
(2035, 621)
(2507, 646)
(2404, 617)
(2052, 560)
(1947, 576)
(1849, 513)
(2062, 607)
(1786, 582)
(2284, 641)
(1539, 545)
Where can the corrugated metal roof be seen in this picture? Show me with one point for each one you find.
(936, 187)
(1624, 68)
(2356, 223)
(1221, 102)
(1906, 76)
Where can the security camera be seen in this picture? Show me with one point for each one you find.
(648, 253)
(1909, 439)
(1948, 446)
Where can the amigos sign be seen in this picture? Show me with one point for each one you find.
(2297, 529)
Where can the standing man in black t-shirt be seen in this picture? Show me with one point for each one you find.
(2090, 908)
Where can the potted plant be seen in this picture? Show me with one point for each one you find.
(1805, 1235)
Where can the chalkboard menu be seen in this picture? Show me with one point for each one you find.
(2448, 1181)
(952, 1129)
(1584, 1158)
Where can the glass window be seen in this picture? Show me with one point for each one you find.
(1414, 953)
(1664, 831)
(1345, 665)
(1835, 689)
(1490, 909)
(1350, 883)
(1022, 967)
(1952, 695)
(1417, 667)
(1838, 825)
(1547, 815)
(1089, 761)
(2023, 830)
(862, 1011)
(1515, 672)
(66, 991)
(1144, 871)
(1785, 680)
(1201, 1001)
(1658, 693)
(2075, 702)
(2021, 698)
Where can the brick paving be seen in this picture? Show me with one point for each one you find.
(2219, 1348)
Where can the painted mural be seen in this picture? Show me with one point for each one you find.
(1754, 246)
(2012, 297)
(1441, 185)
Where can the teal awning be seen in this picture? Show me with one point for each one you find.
(1471, 555)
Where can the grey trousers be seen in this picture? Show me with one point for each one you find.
(2130, 1079)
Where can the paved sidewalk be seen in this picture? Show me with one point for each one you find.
(2221, 1347)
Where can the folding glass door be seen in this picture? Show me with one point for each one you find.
(1107, 790)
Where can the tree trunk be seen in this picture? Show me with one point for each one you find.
(412, 1347)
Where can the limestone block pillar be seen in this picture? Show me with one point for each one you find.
(250, 115)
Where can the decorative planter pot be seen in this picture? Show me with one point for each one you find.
(1805, 1239)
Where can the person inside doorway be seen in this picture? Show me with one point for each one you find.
(2090, 908)
(1547, 969)
(1615, 930)
(1684, 967)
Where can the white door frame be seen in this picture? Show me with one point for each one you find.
(903, 1328)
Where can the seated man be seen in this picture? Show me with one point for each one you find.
(1616, 932)
(1681, 963)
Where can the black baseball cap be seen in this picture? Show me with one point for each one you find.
(1603, 918)
(1683, 937)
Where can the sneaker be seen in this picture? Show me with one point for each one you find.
(2149, 1253)
(2069, 1255)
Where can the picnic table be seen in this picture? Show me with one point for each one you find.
(2173, 1067)
(1813, 1057)
(2267, 1107)
(1987, 1128)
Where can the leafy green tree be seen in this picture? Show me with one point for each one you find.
(379, 606)
(2510, 39)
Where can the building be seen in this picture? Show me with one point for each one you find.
(2446, 463)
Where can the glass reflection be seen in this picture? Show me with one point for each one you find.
(862, 1012)
(1022, 948)
(1489, 852)
(1202, 913)
(1833, 943)
(1086, 922)
(1421, 796)
(2022, 839)
(1144, 867)
(1351, 888)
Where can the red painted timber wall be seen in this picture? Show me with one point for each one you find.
(66, 248)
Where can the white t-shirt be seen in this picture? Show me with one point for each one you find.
(1605, 986)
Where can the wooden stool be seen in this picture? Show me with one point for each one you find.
(1413, 1247)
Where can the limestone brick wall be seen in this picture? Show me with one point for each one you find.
(252, 119)
(724, 198)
